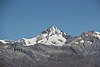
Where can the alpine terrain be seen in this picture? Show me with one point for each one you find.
(52, 48)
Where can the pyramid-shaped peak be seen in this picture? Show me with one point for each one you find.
(53, 30)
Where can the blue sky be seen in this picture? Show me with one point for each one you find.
(27, 18)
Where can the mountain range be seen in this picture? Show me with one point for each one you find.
(52, 48)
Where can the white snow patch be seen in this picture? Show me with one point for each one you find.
(3, 41)
(86, 34)
(76, 42)
(29, 42)
(56, 40)
(82, 41)
(89, 42)
(79, 38)
(97, 34)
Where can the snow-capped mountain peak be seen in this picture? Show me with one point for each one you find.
(53, 30)
(50, 36)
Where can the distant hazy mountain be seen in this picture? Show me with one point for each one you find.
(52, 48)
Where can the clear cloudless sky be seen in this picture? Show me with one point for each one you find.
(27, 18)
